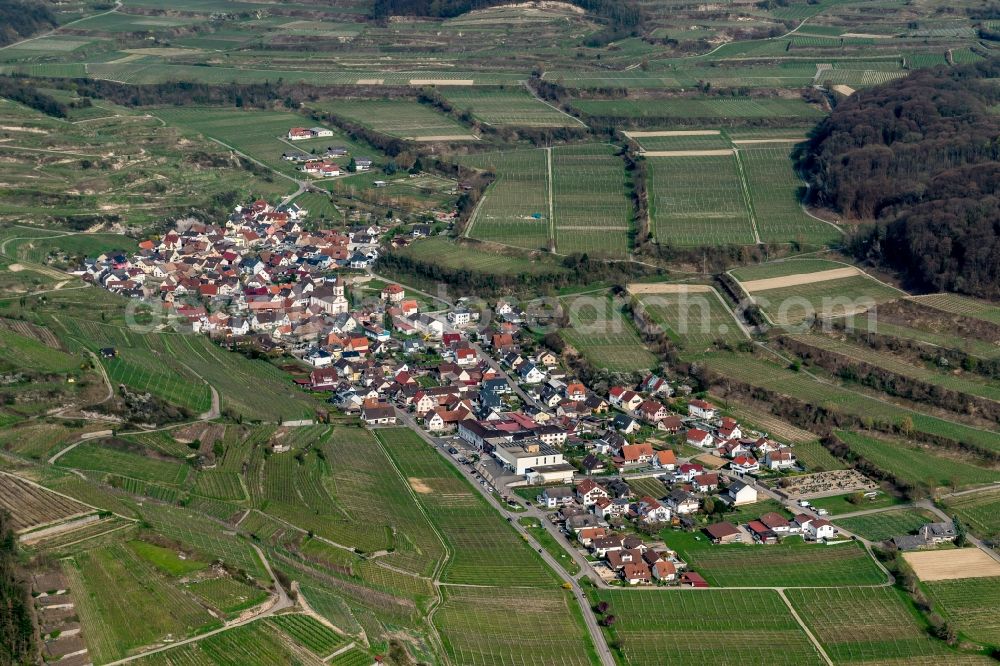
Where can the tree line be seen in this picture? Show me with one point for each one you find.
(918, 160)
(20, 19)
(17, 630)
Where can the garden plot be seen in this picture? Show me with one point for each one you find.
(655, 627)
(591, 205)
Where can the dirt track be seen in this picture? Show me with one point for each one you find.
(801, 278)
(687, 153)
(750, 141)
(673, 133)
(444, 137)
(442, 82)
(661, 288)
(952, 564)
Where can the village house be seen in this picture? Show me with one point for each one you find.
(702, 409)
(588, 492)
(724, 533)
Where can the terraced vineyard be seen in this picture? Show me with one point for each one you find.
(545, 630)
(864, 625)
(962, 305)
(30, 505)
(771, 376)
(678, 627)
(968, 383)
(696, 319)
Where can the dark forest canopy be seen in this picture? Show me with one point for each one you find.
(20, 19)
(920, 158)
(17, 632)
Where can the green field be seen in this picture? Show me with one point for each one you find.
(507, 107)
(887, 524)
(979, 511)
(967, 383)
(405, 119)
(794, 305)
(259, 134)
(962, 305)
(546, 629)
(109, 584)
(792, 563)
(478, 259)
(971, 605)
(919, 465)
(705, 626)
(604, 335)
(696, 320)
(869, 625)
(766, 374)
(590, 199)
(683, 108)
(515, 209)
(710, 140)
(697, 200)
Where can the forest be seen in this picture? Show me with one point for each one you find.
(17, 632)
(919, 160)
(22, 19)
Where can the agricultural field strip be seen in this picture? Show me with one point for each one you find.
(776, 378)
(32, 506)
(966, 383)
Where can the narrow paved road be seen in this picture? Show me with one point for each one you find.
(596, 635)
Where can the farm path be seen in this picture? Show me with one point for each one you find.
(927, 504)
(805, 629)
(538, 97)
(551, 185)
(279, 602)
(596, 635)
(301, 184)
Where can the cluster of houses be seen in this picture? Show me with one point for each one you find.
(260, 273)
(770, 528)
(321, 166)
